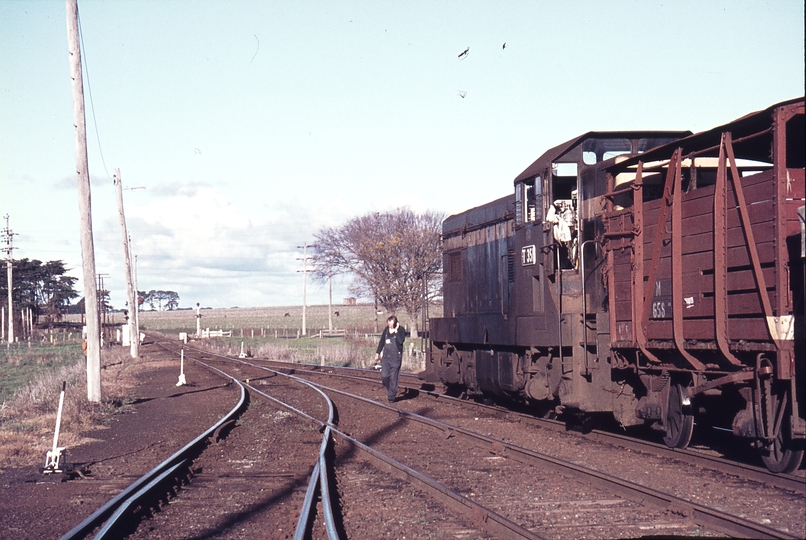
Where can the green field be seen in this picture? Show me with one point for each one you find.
(20, 366)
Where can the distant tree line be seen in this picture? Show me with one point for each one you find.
(159, 300)
(42, 287)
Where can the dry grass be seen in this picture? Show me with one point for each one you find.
(268, 333)
(28, 420)
(351, 351)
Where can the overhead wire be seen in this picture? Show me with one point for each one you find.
(89, 90)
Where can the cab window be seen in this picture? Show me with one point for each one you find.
(529, 201)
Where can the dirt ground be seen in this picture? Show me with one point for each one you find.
(137, 438)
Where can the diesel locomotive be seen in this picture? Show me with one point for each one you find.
(652, 276)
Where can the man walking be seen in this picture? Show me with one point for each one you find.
(391, 345)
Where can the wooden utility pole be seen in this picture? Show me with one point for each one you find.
(127, 261)
(84, 207)
(8, 238)
(137, 299)
(304, 283)
(330, 303)
(102, 296)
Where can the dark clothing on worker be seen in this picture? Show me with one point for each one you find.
(391, 347)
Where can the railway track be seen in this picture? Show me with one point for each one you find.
(177, 483)
(791, 482)
(111, 519)
(492, 487)
(470, 515)
(737, 473)
(720, 521)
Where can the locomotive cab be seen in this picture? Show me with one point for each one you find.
(519, 321)
(561, 324)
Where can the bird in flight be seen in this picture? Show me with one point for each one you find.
(505, 45)
(464, 53)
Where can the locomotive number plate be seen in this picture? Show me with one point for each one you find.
(528, 255)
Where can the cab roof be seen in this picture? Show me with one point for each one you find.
(554, 154)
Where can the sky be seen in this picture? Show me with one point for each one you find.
(254, 124)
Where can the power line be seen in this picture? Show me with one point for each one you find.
(89, 90)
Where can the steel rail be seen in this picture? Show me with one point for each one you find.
(318, 476)
(138, 488)
(721, 521)
(476, 513)
(126, 506)
(789, 482)
(479, 515)
(319, 473)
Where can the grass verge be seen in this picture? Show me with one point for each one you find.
(28, 419)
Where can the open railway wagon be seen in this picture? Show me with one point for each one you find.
(658, 285)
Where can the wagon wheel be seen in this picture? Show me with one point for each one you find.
(679, 423)
(784, 454)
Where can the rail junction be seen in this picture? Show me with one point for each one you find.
(350, 466)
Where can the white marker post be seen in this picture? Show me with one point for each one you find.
(182, 369)
(54, 456)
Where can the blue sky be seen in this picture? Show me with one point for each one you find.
(253, 124)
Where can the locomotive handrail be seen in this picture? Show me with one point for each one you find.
(556, 248)
(463, 230)
(585, 303)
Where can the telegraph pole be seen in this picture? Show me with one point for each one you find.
(127, 261)
(102, 292)
(304, 271)
(84, 207)
(8, 239)
(137, 299)
(330, 303)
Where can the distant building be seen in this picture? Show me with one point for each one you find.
(349, 302)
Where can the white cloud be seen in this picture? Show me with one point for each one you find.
(196, 241)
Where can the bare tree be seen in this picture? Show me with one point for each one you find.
(389, 255)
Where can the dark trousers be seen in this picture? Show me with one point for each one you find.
(390, 373)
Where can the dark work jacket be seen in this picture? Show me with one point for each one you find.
(398, 338)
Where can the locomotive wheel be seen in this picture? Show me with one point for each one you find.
(784, 454)
(679, 424)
